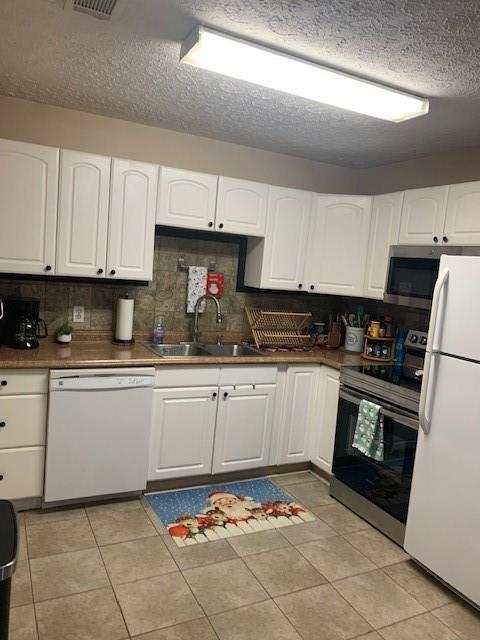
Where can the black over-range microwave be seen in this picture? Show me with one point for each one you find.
(413, 271)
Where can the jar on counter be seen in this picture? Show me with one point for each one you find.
(374, 330)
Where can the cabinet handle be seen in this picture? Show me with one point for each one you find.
(214, 395)
(99, 271)
(48, 267)
(220, 226)
(1, 476)
(435, 238)
(3, 383)
(112, 272)
(225, 395)
(300, 286)
(312, 287)
(3, 424)
(445, 239)
(210, 224)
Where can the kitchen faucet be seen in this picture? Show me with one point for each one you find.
(206, 296)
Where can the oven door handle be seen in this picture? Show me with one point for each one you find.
(395, 415)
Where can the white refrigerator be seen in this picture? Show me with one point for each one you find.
(443, 524)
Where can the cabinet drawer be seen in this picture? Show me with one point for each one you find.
(21, 473)
(245, 374)
(23, 381)
(186, 376)
(23, 420)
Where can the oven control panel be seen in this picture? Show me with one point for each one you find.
(416, 340)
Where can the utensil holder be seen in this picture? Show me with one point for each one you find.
(354, 339)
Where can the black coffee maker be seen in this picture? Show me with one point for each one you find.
(20, 325)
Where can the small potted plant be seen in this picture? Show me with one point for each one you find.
(64, 333)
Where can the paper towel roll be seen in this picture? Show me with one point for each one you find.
(124, 325)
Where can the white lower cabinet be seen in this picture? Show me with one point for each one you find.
(299, 414)
(244, 427)
(21, 472)
(324, 438)
(183, 430)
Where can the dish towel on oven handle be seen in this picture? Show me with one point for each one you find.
(196, 287)
(368, 435)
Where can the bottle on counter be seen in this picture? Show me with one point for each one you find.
(399, 347)
(158, 332)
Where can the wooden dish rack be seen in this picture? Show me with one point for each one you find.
(279, 328)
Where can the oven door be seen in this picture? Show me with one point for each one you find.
(386, 484)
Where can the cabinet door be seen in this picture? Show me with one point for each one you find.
(183, 427)
(28, 207)
(244, 427)
(384, 230)
(131, 228)
(423, 216)
(325, 431)
(83, 214)
(300, 416)
(462, 224)
(241, 207)
(186, 199)
(338, 244)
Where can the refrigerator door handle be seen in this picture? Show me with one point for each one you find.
(424, 421)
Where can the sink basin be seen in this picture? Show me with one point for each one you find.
(184, 350)
(230, 350)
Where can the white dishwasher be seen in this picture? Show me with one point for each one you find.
(98, 432)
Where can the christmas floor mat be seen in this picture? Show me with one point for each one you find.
(225, 510)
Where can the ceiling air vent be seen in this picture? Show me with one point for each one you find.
(98, 8)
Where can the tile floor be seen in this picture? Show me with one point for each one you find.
(111, 572)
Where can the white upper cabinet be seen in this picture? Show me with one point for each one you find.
(83, 214)
(28, 207)
(131, 229)
(186, 199)
(462, 225)
(423, 216)
(384, 230)
(338, 244)
(241, 207)
(277, 262)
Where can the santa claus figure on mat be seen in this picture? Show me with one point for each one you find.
(236, 508)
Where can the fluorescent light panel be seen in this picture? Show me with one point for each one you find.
(237, 58)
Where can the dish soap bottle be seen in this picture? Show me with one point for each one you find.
(158, 332)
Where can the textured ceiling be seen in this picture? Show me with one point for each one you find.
(128, 68)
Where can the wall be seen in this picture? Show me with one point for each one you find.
(462, 165)
(166, 296)
(55, 126)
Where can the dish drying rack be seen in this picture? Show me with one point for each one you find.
(279, 328)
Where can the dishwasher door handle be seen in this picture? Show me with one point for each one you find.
(98, 383)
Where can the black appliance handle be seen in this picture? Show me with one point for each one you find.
(45, 330)
(392, 412)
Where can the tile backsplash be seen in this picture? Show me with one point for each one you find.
(165, 296)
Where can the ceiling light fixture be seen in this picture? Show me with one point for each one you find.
(237, 58)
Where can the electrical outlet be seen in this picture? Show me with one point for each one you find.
(78, 313)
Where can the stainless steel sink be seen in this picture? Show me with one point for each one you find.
(230, 350)
(183, 350)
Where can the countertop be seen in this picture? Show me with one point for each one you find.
(50, 355)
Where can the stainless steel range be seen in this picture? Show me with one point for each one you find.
(379, 491)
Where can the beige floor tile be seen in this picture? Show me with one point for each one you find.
(223, 586)
(21, 584)
(340, 518)
(120, 522)
(311, 494)
(423, 627)
(200, 555)
(322, 613)
(67, 573)
(262, 621)
(373, 635)
(137, 559)
(157, 602)
(200, 628)
(154, 519)
(301, 533)
(378, 598)
(90, 615)
(300, 477)
(420, 584)
(335, 558)
(59, 537)
(39, 516)
(461, 618)
(118, 506)
(283, 571)
(377, 547)
(22, 623)
(257, 542)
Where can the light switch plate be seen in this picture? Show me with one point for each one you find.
(78, 313)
